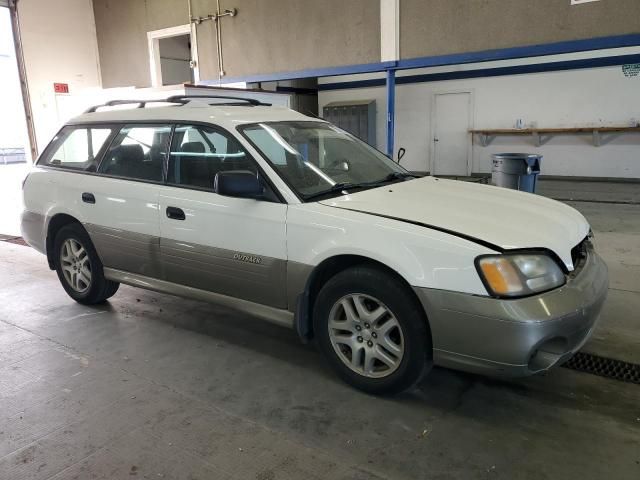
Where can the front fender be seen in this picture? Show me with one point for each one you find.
(423, 257)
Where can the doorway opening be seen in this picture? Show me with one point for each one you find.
(175, 60)
(171, 54)
(15, 154)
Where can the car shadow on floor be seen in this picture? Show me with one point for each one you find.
(443, 390)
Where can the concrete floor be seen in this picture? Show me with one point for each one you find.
(151, 386)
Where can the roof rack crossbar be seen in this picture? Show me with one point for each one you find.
(140, 103)
(180, 100)
(186, 98)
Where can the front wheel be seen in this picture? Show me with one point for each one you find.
(79, 268)
(372, 330)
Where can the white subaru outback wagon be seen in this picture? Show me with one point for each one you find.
(288, 218)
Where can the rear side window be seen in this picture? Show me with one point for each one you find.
(137, 152)
(78, 148)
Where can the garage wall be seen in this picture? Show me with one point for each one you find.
(585, 97)
(59, 45)
(298, 34)
(122, 27)
(437, 27)
(265, 36)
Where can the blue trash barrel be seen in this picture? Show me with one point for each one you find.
(518, 171)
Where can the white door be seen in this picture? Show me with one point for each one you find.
(119, 208)
(451, 143)
(232, 246)
(122, 202)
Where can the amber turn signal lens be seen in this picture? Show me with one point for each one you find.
(501, 275)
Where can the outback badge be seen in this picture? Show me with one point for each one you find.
(243, 257)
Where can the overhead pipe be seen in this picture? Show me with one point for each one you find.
(195, 58)
(219, 41)
(22, 74)
(216, 19)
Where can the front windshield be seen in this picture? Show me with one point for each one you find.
(316, 157)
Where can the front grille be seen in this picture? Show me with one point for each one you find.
(605, 367)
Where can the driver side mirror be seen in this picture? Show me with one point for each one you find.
(238, 183)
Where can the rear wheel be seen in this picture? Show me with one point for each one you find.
(79, 268)
(372, 330)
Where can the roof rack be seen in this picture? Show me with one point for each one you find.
(181, 100)
(186, 98)
(140, 103)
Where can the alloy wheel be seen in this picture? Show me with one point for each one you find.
(366, 335)
(75, 265)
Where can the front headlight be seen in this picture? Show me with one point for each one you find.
(519, 274)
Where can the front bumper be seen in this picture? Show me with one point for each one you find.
(517, 337)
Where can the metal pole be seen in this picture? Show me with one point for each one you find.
(22, 73)
(391, 107)
(219, 41)
(195, 59)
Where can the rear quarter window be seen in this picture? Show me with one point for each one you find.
(77, 148)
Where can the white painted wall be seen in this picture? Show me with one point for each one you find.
(587, 97)
(59, 44)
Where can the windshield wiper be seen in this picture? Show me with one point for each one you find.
(396, 176)
(339, 187)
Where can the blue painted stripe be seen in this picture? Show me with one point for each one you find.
(314, 72)
(490, 72)
(572, 46)
(374, 82)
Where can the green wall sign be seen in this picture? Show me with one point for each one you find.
(631, 70)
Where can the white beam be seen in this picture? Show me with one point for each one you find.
(389, 30)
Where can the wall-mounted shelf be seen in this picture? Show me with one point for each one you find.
(541, 136)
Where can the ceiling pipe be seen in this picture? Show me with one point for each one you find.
(195, 57)
(22, 74)
(219, 41)
(218, 26)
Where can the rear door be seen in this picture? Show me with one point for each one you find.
(120, 203)
(231, 246)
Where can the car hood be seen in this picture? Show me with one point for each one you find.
(505, 218)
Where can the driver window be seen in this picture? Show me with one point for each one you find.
(198, 153)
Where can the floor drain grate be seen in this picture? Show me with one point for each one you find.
(605, 367)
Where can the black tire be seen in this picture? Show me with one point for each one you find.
(374, 282)
(99, 288)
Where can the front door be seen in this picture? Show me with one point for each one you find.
(451, 143)
(232, 246)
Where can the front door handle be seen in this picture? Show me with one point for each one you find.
(175, 213)
(88, 197)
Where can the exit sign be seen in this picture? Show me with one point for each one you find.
(61, 87)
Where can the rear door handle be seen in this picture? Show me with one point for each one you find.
(175, 213)
(88, 197)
